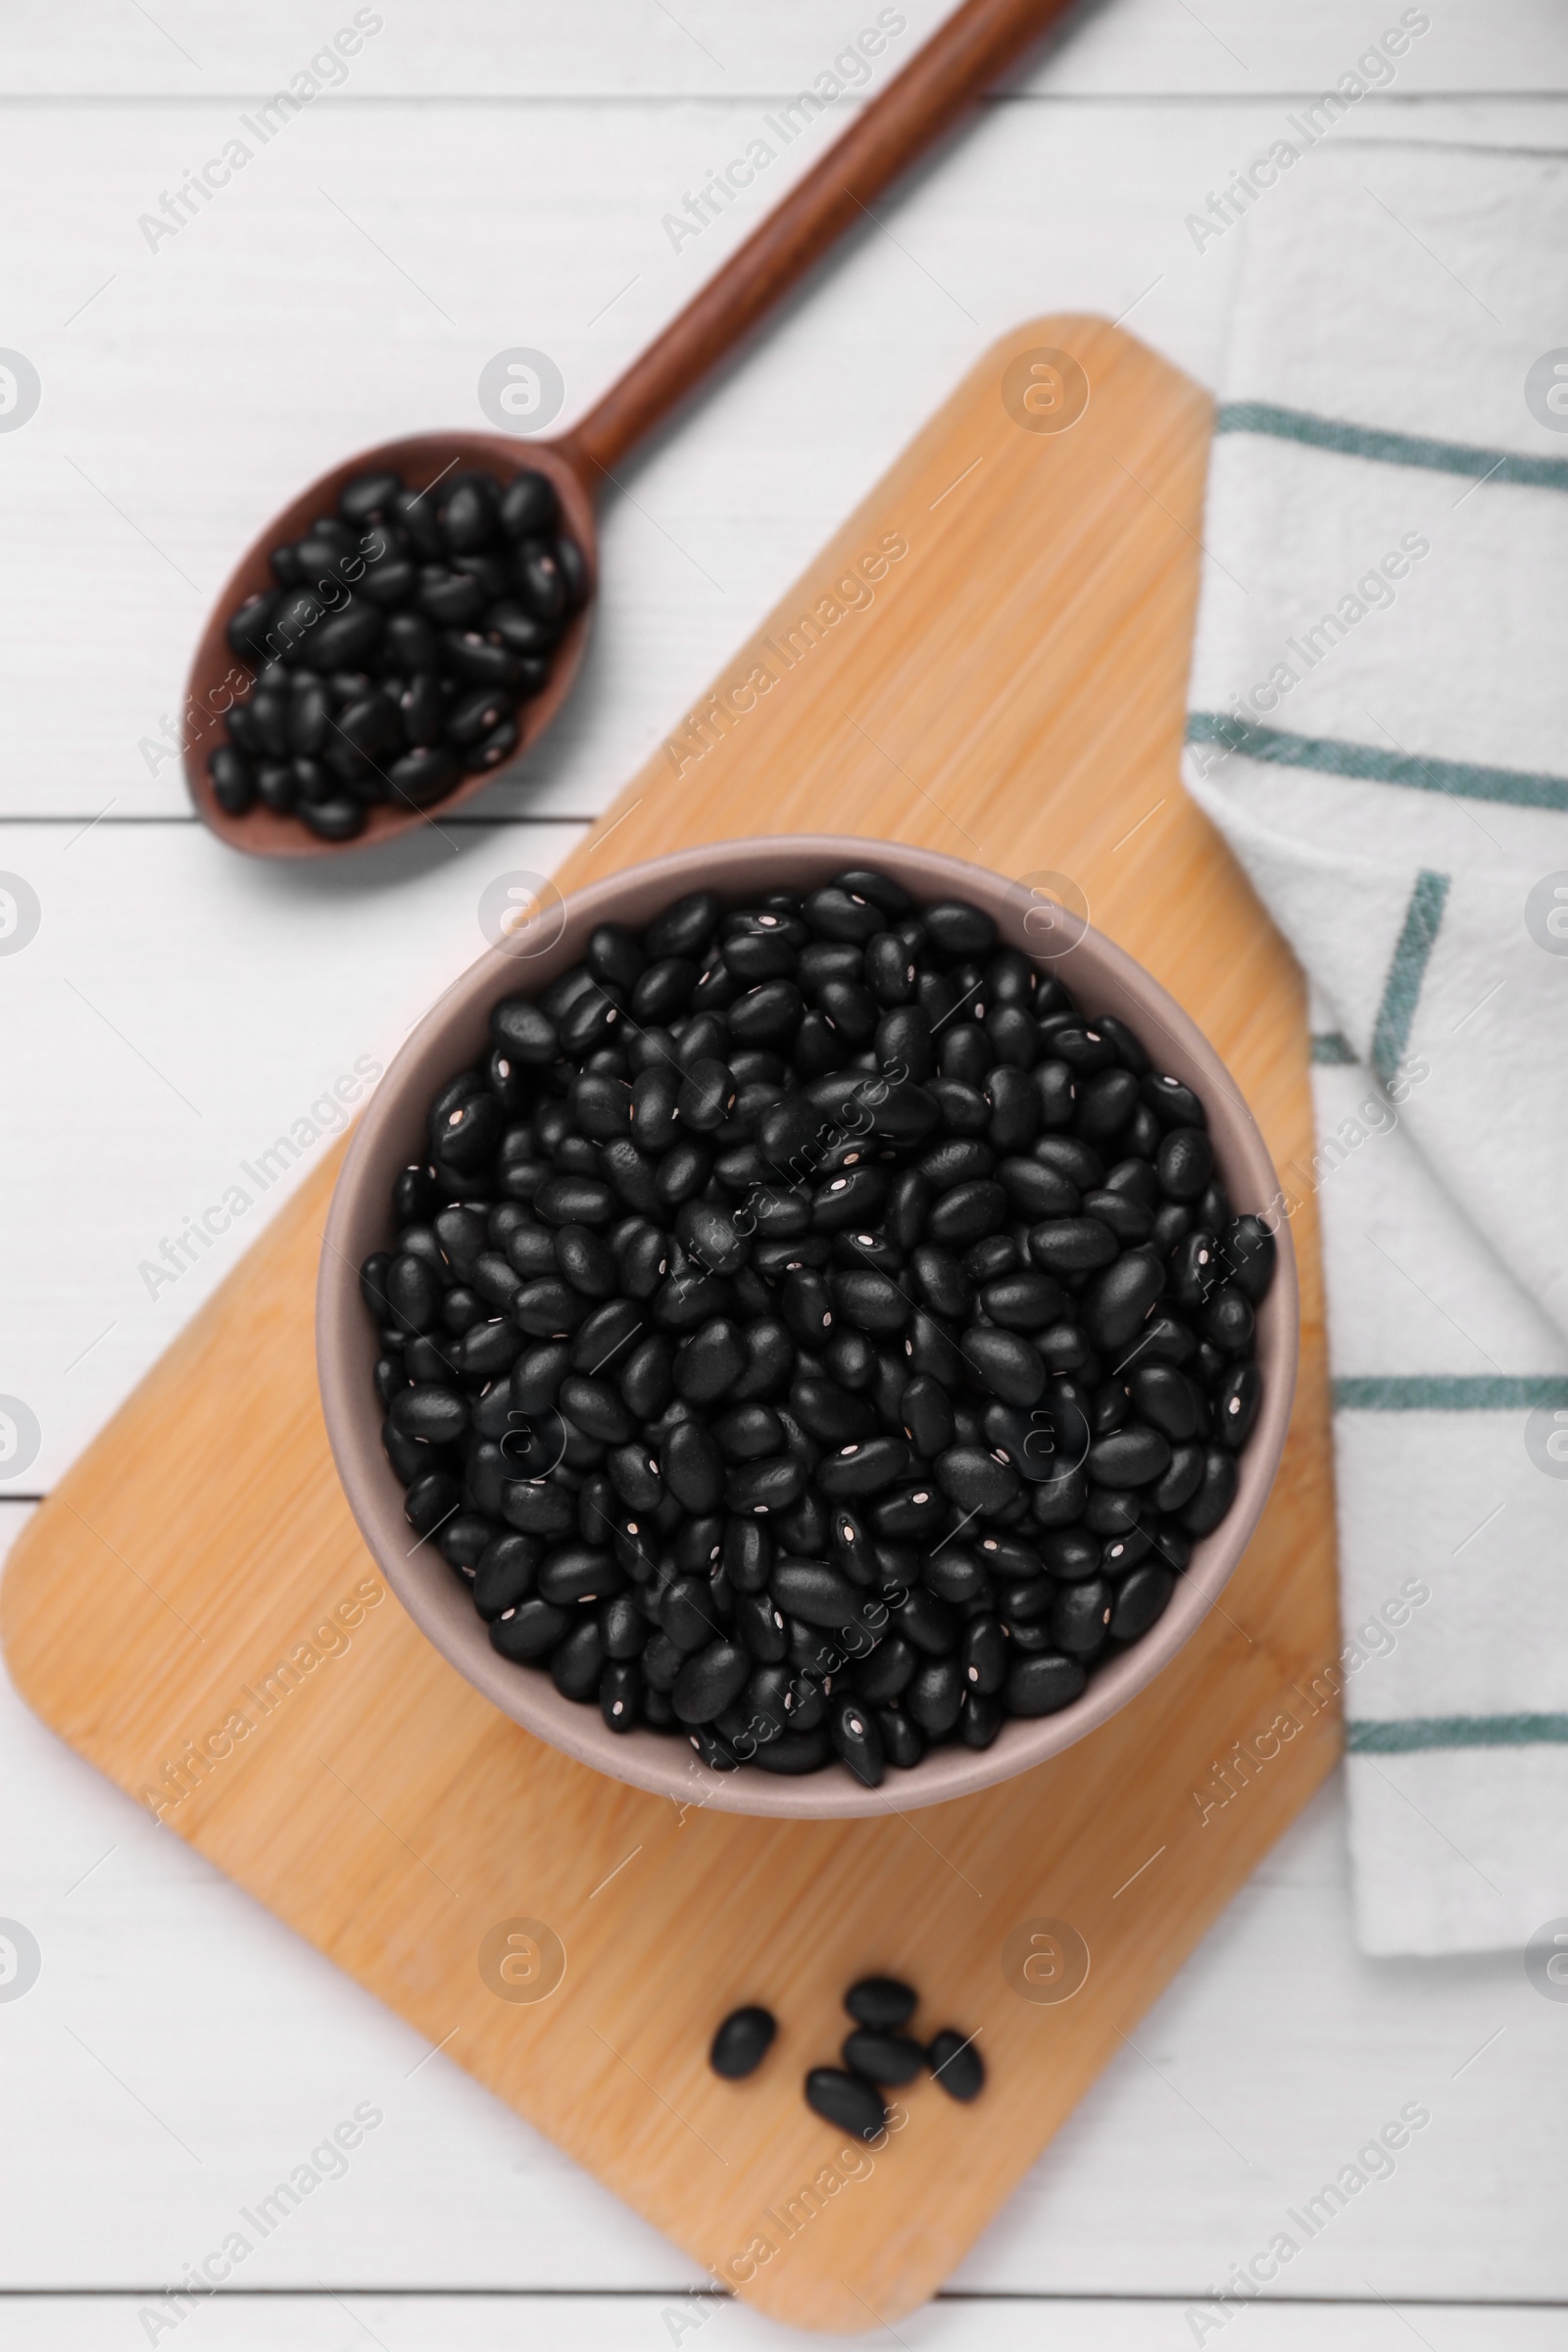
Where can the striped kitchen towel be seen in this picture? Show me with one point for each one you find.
(1379, 725)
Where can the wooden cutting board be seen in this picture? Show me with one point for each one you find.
(991, 658)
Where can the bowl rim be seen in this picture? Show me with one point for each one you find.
(389, 1134)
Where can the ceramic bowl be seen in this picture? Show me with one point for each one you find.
(391, 1134)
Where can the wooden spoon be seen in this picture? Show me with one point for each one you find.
(975, 44)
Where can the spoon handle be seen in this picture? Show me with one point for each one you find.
(975, 44)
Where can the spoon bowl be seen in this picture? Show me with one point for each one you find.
(219, 678)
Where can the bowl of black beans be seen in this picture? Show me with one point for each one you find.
(397, 636)
(793, 1344)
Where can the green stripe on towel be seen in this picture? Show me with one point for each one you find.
(1416, 1731)
(1331, 757)
(1440, 1393)
(1412, 953)
(1391, 449)
(1328, 1046)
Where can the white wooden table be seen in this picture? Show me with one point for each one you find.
(487, 177)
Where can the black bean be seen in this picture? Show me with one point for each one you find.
(742, 2042)
(710, 1680)
(967, 1213)
(1023, 1301)
(814, 1594)
(926, 1412)
(1228, 1320)
(620, 1693)
(957, 930)
(927, 1623)
(1035, 1190)
(871, 1301)
(692, 1467)
(505, 1573)
(684, 929)
(760, 1626)
(1130, 1458)
(1072, 1245)
(857, 1741)
(708, 1363)
(850, 1198)
(1185, 1162)
(707, 1096)
(880, 2003)
(890, 2059)
(847, 2101)
(1119, 1300)
(934, 1697)
(794, 1752)
(764, 1488)
(1251, 1251)
(1181, 1481)
(1080, 1616)
(1214, 1494)
(1141, 1599)
(901, 1742)
(573, 1572)
(957, 2064)
(1236, 1404)
(983, 1658)
(942, 1283)
(1003, 1364)
(863, 1468)
(434, 1413)
(1165, 1397)
(529, 1630)
(975, 1480)
(841, 914)
(598, 1409)
(1043, 1684)
(1106, 1103)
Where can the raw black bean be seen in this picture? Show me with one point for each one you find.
(1166, 1398)
(847, 2101)
(742, 2042)
(1214, 1494)
(1181, 1481)
(1228, 1320)
(1003, 1364)
(710, 1680)
(1119, 1300)
(882, 2005)
(890, 2059)
(1185, 1163)
(531, 1630)
(1080, 1615)
(1236, 1404)
(1043, 1683)
(1130, 1458)
(902, 1743)
(957, 2064)
(1141, 1599)
(1072, 1245)
(1251, 1251)
(934, 1697)
(857, 1741)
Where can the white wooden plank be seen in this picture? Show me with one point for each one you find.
(204, 381)
(720, 47)
(336, 2322)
